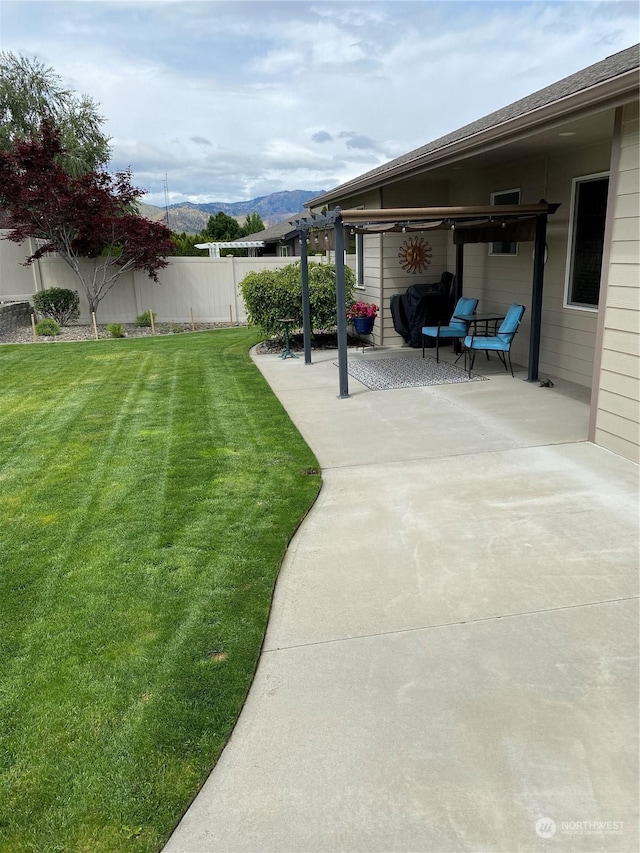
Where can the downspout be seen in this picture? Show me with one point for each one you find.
(612, 191)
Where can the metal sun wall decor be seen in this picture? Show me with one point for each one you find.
(415, 255)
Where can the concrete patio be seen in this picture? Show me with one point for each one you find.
(451, 659)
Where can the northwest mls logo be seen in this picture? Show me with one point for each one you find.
(545, 827)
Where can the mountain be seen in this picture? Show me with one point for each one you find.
(192, 218)
(186, 219)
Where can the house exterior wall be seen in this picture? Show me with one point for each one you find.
(617, 409)
(568, 337)
(396, 280)
(383, 274)
(567, 343)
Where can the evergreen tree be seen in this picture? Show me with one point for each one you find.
(253, 224)
(185, 245)
(221, 228)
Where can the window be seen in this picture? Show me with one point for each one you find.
(504, 197)
(586, 241)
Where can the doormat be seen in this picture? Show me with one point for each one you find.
(385, 374)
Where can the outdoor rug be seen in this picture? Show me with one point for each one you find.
(385, 374)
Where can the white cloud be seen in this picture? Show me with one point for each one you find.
(231, 99)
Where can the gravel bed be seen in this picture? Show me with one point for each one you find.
(24, 334)
(319, 341)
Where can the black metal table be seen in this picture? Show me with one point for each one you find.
(486, 318)
(474, 320)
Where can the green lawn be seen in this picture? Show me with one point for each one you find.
(148, 489)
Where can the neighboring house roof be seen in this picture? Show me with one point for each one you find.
(274, 233)
(617, 71)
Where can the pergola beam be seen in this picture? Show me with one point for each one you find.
(214, 248)
(459, 214)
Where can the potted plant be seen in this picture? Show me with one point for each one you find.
(362, 315)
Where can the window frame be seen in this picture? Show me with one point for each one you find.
(492, 252)
(566, 302)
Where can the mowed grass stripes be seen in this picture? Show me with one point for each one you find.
(148, 489)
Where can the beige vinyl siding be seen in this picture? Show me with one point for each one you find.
(617, 425)
(383, 275)
(415, 192)
(567, 344)
(372, 281)
(568, 335)
(396, 280)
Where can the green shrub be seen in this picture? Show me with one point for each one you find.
(144, 319)
(115, 330)
(48, 328)
(271, 295)
(58, 303)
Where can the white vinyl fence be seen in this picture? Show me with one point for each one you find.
(205, 288)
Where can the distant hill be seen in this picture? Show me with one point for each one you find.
(192, 218)
(186, 219)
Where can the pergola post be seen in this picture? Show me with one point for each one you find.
(306, 309)
(536, 297)
(341, 308)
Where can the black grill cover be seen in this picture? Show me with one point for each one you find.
(422, 305)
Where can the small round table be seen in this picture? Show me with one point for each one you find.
(287, 322)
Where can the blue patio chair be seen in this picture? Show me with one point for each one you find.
(456, 328)
(500, 342)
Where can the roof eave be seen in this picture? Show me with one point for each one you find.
(610, 93)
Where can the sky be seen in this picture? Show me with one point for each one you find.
(228, 101)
